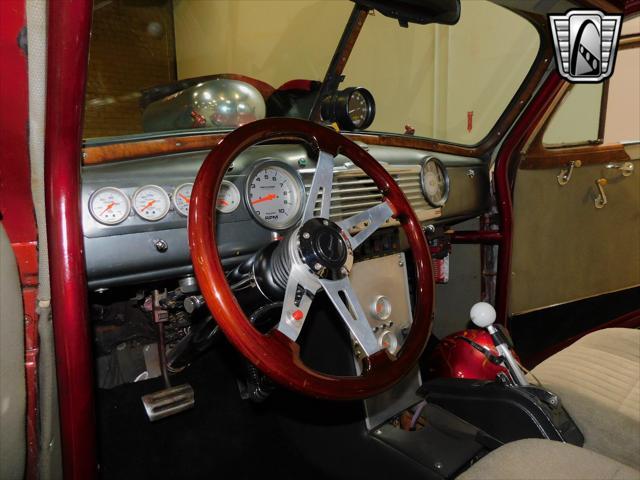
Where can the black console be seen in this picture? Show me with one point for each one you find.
(505, 412)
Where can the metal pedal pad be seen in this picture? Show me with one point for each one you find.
(168, 401)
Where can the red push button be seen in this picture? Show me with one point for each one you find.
(298, 315)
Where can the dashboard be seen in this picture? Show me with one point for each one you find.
(135, 212)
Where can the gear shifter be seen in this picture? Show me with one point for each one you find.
(483, 315)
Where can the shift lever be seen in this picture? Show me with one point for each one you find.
(483, 315)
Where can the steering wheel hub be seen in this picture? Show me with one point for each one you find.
(324, 248)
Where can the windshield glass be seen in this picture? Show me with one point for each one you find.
(162, 66)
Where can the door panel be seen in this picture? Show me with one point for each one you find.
(564, 248)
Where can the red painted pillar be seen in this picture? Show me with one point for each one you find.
(69, 27)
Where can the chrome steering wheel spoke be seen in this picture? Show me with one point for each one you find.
(345, 300)
(373, 218)
(321, 186)
(301, 288)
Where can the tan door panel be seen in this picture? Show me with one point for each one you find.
(565, 249)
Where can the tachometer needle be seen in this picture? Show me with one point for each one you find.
(186, 199)
(109, 207)
(266, 198)
(151, 202)
(222, 202)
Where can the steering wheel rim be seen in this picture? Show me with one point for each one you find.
(274, 353)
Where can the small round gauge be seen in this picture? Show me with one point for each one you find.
(228, 197)
(151, 202)
(358, 108)
(352, 108)
(109, 205)
(435, 182)
(274, 195)
(388, 341)
(381, 307)
(182, 197)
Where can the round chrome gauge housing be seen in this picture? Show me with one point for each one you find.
(109, 205)
(181, 198)
(228, 197)
(151, 202)
(275, 195)
(434, 181)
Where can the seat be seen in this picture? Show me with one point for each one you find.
(536, 459)
(598, 380)
(12, 383)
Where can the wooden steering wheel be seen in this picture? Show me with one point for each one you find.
(320, 256)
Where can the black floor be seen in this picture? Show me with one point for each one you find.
(222, 437)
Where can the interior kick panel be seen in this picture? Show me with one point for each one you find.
(136, 249)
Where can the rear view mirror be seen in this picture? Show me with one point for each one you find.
(417, 11)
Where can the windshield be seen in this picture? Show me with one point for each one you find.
(162, 66)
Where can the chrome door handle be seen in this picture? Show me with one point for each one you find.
(625, 168)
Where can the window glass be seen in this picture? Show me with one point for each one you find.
(448, 83)
(577, 118)
(451, 83)
(622, 122)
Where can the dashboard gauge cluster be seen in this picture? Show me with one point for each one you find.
(274, 195)
(151, 203)
(352, 108)
(435, 183)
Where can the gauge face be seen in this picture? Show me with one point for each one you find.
(228, 197)
(182, 197)
(151, 202)
(381, 308)
(388, 341)
(358, 109)
(274, 195)
(109, 205)
(435, 182)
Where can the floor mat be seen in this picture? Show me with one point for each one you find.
(222, 437)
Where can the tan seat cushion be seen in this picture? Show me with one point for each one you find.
(536, 459)
(598, 380)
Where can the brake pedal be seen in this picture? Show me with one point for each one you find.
(168, 401)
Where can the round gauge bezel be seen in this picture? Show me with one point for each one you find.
(230, 185)
(167, 199)
(445, 174)
(371, 108)
(103, 222)
(175, 195)
(300, 192)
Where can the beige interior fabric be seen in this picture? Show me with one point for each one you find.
(598, 380)
(536, 459)
(565, 249)
(12, 387)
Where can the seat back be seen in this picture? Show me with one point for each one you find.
(12, 379)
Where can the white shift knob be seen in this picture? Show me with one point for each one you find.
(483, 314)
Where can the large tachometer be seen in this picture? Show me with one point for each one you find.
(274, 195)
